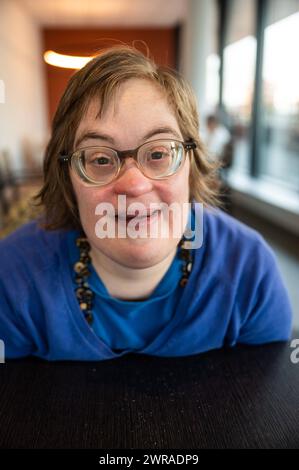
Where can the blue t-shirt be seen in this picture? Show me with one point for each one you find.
(234, 295)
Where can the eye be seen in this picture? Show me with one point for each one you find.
(98, 158)
(157, 155)
(101, 161)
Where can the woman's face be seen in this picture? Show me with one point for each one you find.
(138, 113)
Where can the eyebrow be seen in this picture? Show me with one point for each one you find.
(97, 136)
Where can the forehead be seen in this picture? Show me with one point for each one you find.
(135, 105)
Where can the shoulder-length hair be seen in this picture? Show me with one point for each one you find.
(100, 79)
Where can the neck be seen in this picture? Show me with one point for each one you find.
(127, 283)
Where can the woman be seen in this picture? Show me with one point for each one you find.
(72, 287)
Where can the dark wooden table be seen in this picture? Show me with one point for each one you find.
(247, 397)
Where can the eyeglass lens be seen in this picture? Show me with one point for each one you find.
(156, 159)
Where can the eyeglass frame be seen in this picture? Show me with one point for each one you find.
(123, 154)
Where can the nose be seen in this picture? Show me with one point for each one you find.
(131, 181)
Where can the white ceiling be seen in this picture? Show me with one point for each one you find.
(109, 13)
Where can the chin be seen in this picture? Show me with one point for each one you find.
(139, 253)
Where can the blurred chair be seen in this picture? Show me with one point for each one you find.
(31, 162)
(9, 189)
(16, 191)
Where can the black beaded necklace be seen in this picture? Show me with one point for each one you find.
(82, 272)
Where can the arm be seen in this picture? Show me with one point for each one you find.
(12, 331)
(264, 310)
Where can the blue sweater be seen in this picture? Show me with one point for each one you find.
(234, 295)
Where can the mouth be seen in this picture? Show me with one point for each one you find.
(141, 219)
(128, 217)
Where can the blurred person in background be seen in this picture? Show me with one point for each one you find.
(219, 143)
(217, 139)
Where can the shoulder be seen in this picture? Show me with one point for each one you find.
(241, 260)
(30, 244)
(233, 246)
(224, 230)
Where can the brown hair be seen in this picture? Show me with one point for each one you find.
(101, 78)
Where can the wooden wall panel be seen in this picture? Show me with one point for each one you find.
(161, 43)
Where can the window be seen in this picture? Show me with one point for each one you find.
(279, 155)
(239, 57)
(212, 81)
(259, 87)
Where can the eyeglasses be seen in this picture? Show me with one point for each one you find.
(157, 159)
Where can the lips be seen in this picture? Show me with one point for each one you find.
(128, 217)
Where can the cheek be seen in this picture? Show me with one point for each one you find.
(176, 188)
(87, 200)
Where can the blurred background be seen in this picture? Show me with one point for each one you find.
(240, 56)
